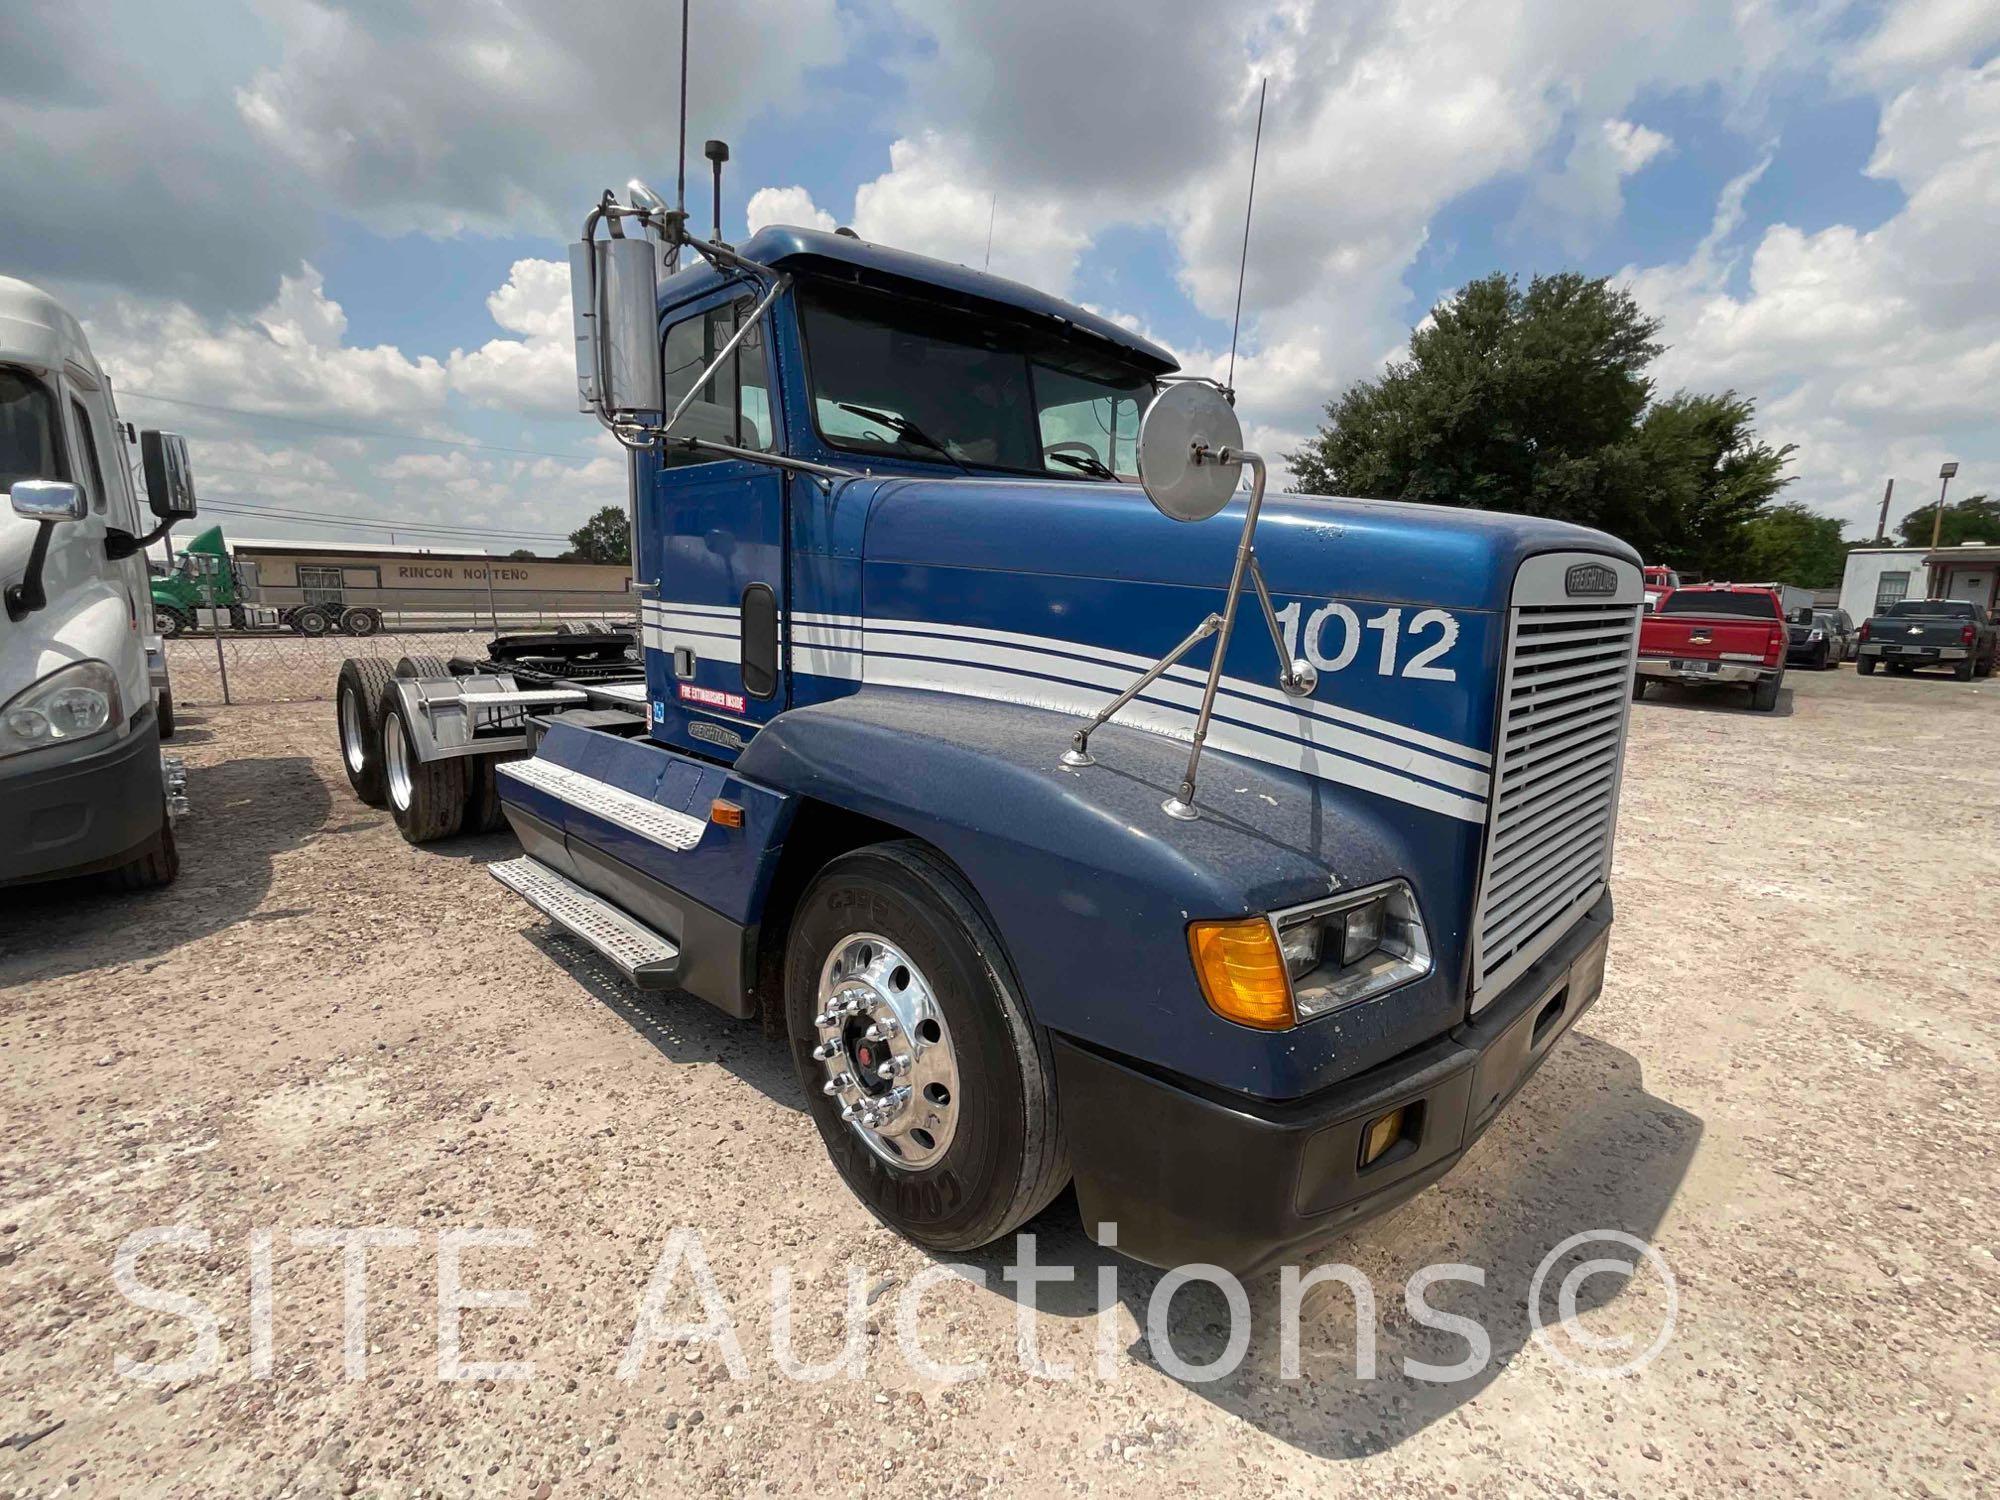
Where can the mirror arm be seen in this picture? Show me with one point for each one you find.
(119, 545)
(825, 473)
(27, 596)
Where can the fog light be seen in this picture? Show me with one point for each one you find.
(1382, 1133)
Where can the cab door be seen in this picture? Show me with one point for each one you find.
(711, 543)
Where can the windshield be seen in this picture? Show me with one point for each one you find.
(30, 444)
(1720, 602)
(899, 376)
(1949, 608)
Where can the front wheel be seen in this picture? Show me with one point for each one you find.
(932, 1087)
(158, 864)
(170, 622)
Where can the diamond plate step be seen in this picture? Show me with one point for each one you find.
(631, 947)
(662, 825)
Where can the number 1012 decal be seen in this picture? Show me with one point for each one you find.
(1333, 635)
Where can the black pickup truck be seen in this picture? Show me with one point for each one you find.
(1914, 633)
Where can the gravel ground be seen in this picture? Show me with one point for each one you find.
(1788, 1088)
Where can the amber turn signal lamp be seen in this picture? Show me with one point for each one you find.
(1243, 973)
(725, 814)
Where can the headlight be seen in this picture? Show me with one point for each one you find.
(1815, 635)
(1353, 947)
(1274, 972)
(72, 704)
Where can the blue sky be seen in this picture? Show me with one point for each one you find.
(334, 233)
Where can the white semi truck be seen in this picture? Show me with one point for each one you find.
(84, 788)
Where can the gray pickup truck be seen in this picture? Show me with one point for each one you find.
(1914, 633)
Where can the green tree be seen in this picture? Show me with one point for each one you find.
(1693, 481)
(1976, 518)
(604, 538)
(1538, 401)
(524, 554)
(1792, 544)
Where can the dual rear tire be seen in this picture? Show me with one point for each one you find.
(428, 799)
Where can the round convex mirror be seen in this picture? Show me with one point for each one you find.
(1184, 429)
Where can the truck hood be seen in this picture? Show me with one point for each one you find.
(1389, 551)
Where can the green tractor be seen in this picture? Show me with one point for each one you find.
(206, 577)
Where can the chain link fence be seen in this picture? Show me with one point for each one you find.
(226, 669)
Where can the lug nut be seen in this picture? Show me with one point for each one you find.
(827, 1051)
(883, 1029)
(894, 1067)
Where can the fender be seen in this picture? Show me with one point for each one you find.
(1067, 860)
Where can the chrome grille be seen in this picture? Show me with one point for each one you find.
(1566, 694)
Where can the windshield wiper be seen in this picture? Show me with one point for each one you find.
(904, 429)
(1090, 464)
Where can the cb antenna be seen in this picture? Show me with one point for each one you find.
(1243, 265)
(681, 167)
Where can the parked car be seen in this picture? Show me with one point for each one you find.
(1716, 633)
(1660, 581)
(1820, 638)
(1914, 633)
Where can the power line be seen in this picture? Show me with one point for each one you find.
(343, 518)
(364, 432)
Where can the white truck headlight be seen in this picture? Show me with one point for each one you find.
(71, 704)
(1352, 947)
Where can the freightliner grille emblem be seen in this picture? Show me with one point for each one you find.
(1590, 579)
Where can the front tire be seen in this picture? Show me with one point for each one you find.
(170, 622)
(976, 1147)
(159, 864)
(426, 798)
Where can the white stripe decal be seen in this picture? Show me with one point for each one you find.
(1332, 713)
(1325, 764)
(1186, 695)
(1317, 739)
(707, 647)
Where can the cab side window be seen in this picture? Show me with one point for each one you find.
(86, 439)
(734, 405)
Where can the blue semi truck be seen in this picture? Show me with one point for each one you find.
(1248, 954)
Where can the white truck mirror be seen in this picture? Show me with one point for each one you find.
(47, 500)
(169, 475)
(614, 297)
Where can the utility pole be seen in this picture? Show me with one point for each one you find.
(1882, 522)
(1937, 520)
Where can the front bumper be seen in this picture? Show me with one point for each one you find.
(1189, 1173)
(1673, 669)
(78, 816)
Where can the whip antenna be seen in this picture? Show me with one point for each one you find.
(681, 171)
(1243, 265)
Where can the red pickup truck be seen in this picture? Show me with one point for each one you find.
(1716, 633)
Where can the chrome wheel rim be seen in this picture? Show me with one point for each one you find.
(350, 733)
(885, 1053)
(396, 760)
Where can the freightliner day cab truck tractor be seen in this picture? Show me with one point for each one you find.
(206, 588)
(1257, 957)
(83, 786)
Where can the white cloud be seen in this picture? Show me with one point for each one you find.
(1632, 145)
(937, 201)
(786, 205)
(533, 373)
(1878, 350)
(1918, 35)
(291, 360)
(469, 115)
